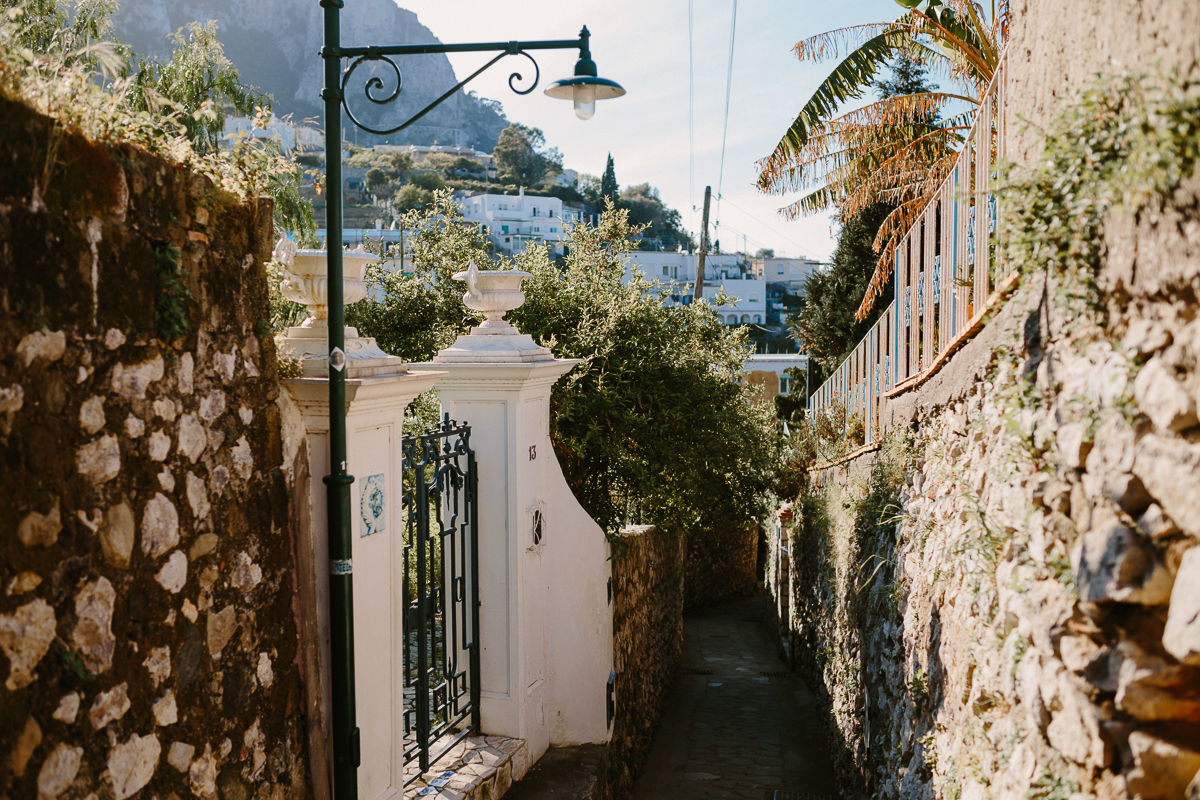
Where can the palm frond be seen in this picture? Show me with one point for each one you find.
(848, 81)
(890, 119)
(831, 43)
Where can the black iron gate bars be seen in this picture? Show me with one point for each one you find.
(441, 590)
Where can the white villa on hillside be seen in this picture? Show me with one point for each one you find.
(514, 222)
(677, 272)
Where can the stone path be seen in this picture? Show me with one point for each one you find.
(747, 729)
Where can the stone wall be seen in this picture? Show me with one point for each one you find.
(146, 619)
(721, 567)
(647, 587)
(1056, 46)
(1002, 602)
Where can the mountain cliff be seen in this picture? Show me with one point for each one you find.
(275, 45)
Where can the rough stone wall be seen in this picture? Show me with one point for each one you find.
(1004, 603)
(647, 587)
(721, 567)
(1057, 45)
(146, 621)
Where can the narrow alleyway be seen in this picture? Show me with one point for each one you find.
(738, 724)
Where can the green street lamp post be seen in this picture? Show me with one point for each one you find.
(584, 88)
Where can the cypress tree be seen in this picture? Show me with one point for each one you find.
(608, 183)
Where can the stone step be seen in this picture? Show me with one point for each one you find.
(566, 773)
(478, 768)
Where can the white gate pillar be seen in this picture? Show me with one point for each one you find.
(378, 388)
(545, 619)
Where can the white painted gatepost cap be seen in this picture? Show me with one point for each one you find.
(493, 293)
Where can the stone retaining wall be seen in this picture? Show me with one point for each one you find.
(647, 585)
(721, 567)
(1002, 602)
(146, 619)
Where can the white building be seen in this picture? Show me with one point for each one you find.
(514, 222)
(792, 272)
(676, 271)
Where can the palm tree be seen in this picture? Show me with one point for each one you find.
(896, 150)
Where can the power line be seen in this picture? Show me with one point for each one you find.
(725, 127)
(691, 117)
(772, 230)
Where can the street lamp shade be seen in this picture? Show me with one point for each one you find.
(585, 88)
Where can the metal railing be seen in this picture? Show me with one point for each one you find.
(945, 272)
(441, 587)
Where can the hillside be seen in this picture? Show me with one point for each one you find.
(275, 43)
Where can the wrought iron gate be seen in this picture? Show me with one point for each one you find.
(441, 590)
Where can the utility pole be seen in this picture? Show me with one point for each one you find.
(698, 292)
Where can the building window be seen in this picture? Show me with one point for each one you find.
(674, 272)
(665, 270)
(753, 298)
(780, 273)
(783, 384)
(535, 211)
(505, 229)
(757, 319)
(746, 319)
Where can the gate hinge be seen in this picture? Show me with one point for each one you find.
(610, 705)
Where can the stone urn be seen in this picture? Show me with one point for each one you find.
(306, 281)
(306, 278)
(493, 293)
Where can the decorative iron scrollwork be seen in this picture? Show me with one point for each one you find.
(376, 84)
(516, 76)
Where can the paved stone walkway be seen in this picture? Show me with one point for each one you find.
(747, 730)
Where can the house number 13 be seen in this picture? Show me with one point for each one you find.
(532, 452)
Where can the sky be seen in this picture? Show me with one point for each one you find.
(643, 45)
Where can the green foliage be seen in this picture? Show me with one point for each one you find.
(429, 181)
(608, 183)
(826, 326)
(1049, 786)
(650, 426)
(661, 223)
(78, 34)
(172, 296)
(375, 178)
(112, 107)
(393, 164)
(410, 197)
(199, 80)
(414, 316)
(520, 155)
(1128, 141)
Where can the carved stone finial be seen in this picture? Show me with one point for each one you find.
(285, 252)
(472, 277)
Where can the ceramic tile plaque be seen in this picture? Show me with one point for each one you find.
(372, 505)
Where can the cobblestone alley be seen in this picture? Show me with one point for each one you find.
(738, 724)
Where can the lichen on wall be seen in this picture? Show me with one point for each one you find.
(146, 625)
